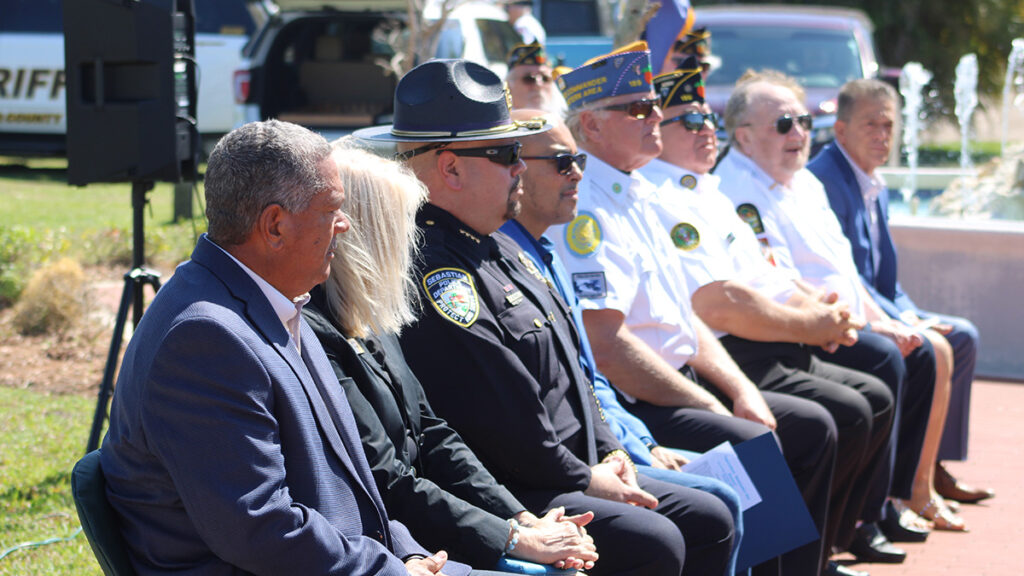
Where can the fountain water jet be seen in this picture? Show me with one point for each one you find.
(965, 92)
(1013, 85)
(913, 79)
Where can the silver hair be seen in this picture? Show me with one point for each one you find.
(258, 165)
(855, 91)
(574, 119)
(370, 288)
(740, 101)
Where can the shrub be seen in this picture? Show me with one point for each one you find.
(53, 301)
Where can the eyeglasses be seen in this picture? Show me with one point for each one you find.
(536, 79)
(564, 161)
(695, 121)
(784, 123)
(506, 155)
(638, 109)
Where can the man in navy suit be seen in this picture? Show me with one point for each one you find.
(231, 448)
(866, 114)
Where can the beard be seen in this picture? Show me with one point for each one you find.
(513, 206)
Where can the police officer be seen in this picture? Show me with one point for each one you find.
(496, 350)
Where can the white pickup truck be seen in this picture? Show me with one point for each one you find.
(32, 82)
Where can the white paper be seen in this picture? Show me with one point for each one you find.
(721, 463)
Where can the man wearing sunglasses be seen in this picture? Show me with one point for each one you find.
(637, 314)
(495, 349)
(530, 80)
(764, 178)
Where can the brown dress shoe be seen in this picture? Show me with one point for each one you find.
(949, 487)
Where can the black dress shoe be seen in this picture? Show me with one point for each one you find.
(952, 489)
(896, 530)
(834, 568)
(871, 545)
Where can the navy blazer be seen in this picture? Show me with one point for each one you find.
(226, 454)
(831, 167)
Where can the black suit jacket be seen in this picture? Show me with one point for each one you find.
(428, 477)
(498, 357)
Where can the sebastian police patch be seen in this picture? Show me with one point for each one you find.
(583, 235)
(453, 294)
(685, 236)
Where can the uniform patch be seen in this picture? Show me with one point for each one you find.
(589, 284)
(453, 294)
(689, 182)
(750, 215)
(685, 236)
(583, 235)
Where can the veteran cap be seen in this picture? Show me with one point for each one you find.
(527, 54)
(624, 71)
(681, 86)
(450, 101)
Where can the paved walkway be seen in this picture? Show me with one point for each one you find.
(995, 542)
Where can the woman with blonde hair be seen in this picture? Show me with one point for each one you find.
(429, 479)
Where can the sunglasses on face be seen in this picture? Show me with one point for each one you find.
(695, 121)
(536, 79)
(638, 109)
(506, 155)
(784, 123)
(564, 161)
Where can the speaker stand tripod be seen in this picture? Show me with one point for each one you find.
(131, 296)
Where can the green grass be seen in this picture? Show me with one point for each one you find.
(35, 193)
(41, 437)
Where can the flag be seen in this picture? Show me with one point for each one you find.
(673, 20)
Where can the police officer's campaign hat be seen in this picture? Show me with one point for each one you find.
(681, 86)
(624, 71)
(451, 101)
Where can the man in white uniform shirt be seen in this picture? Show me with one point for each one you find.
(669, 368)
(738, 292)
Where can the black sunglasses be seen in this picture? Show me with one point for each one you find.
(506, 154)
(536, 79)
(564, 161)
(695, 121)
(784, 123)
(638, 109)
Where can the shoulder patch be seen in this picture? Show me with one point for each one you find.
(453, 294)
(583, 235)
(589, 285)
(685, 236)
(749, 214)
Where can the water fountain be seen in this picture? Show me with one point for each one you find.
(965, 93)
(913, 79)
(1013, 86)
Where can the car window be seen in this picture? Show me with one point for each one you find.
(31, 16)
(571, 18)
(816, 58)
(499, 38)
(221, 17)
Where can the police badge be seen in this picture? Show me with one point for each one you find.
(453, 294)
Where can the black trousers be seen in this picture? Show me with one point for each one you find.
(911, 381)
(807, 436)
(860, 404)
(689, 532)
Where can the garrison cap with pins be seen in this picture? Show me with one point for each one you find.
(451, 101)
(527, 54)
(681, 86)
(623, 71)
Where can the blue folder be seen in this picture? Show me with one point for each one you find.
(780, 522)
